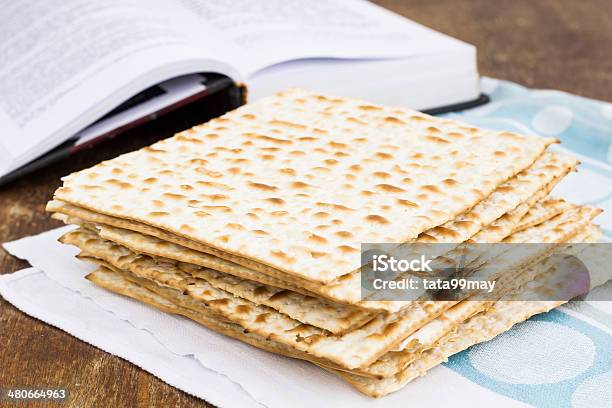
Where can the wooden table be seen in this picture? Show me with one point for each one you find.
(539, 43)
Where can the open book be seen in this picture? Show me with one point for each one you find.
(65, 65)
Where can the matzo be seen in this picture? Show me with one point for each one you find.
(546, 171)
(542, 176)
(361, 347)
(284, 329)
(176, 303)
(317, 312)
(298, 180)
(113, 282)
(387, 366)
(397, 328)
(482, 327)
(572, 220)
(507, 223)
(428, 335)
(542, 212)
(375, 388)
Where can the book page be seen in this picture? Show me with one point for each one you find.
(65, 64)
(267, 32)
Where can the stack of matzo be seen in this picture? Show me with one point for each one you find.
(251, 225)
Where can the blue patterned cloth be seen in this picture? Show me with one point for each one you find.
(562, 358)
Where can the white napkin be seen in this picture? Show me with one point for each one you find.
(31, 291)
(223, 371)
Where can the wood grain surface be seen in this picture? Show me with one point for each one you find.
(560, 44)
